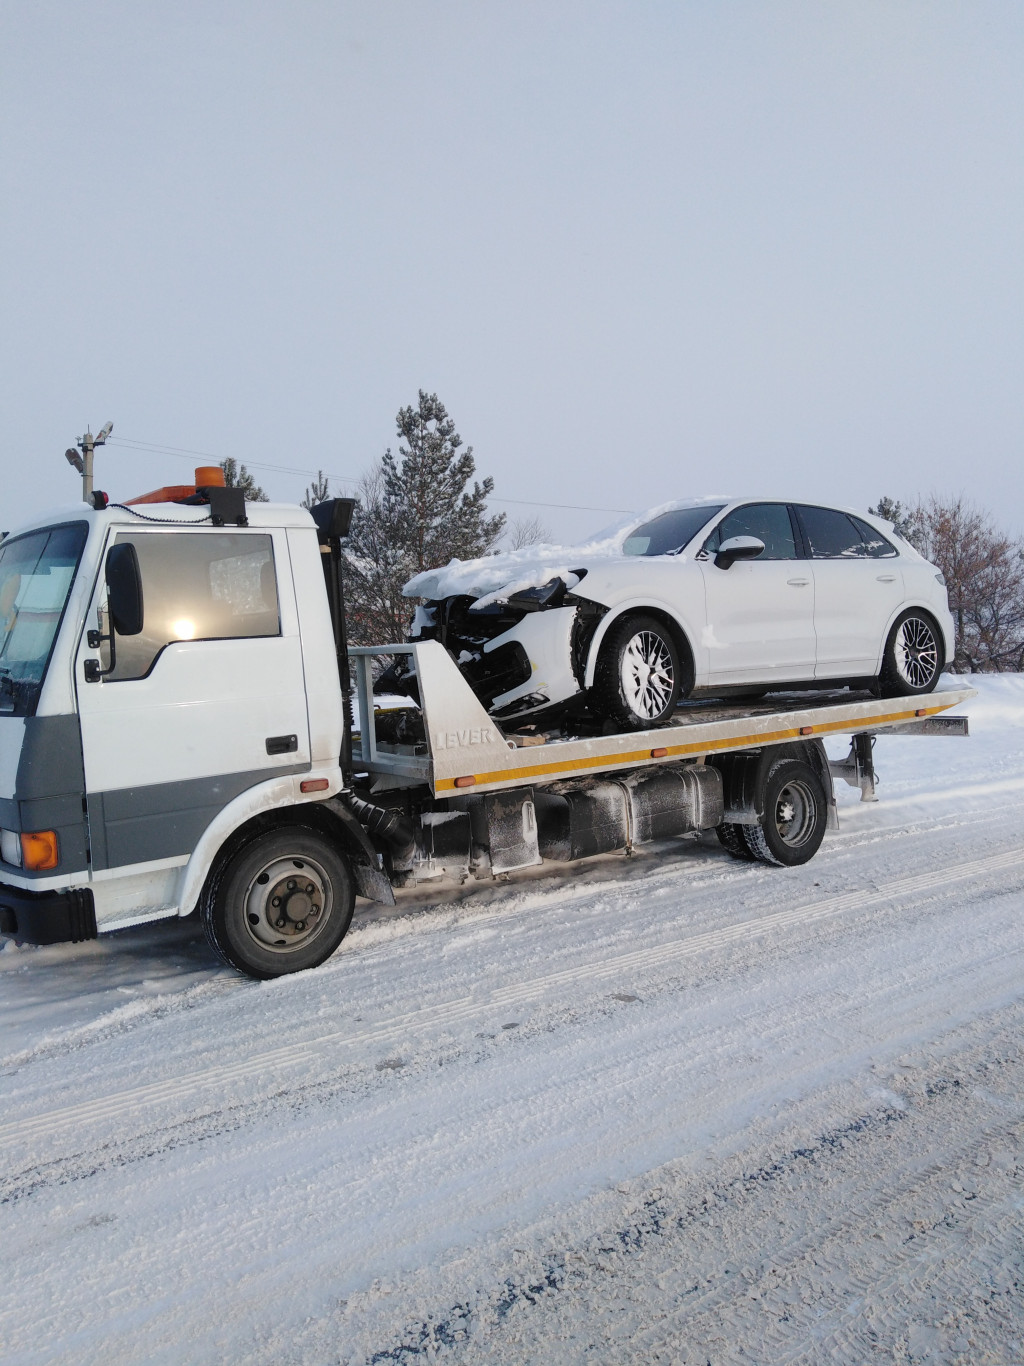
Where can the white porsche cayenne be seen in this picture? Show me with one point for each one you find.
(705, 598)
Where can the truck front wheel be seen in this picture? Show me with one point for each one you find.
(281, 903)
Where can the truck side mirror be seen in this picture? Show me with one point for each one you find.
(124, 589)
(124, 606)
(738, 548)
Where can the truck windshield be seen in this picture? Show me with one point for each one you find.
(36, 573)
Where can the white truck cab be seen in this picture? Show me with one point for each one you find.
(124, 757)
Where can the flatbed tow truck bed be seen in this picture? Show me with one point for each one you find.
(465, 749)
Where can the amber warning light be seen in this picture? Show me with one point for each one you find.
(207, 476)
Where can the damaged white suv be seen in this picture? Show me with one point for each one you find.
(711, 597)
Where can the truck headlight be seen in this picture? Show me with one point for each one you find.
(10, 847)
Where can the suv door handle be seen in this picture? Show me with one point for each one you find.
(798, 583)
(886, 578)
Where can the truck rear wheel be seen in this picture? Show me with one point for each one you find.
(795, 812)
(730, 837)
(281, 903)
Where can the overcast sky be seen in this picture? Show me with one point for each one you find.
(641, 250)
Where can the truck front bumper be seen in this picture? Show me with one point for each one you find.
(51, 917)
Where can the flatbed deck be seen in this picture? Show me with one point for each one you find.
(465, 749)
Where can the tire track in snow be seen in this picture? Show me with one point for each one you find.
(742, 1290)
(221, 1076)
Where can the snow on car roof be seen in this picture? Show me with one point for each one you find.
(510, 571)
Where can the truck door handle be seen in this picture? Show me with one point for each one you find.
(886, 578)
(282, 744)
(798, 583)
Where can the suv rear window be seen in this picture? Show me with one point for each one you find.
(834, 535)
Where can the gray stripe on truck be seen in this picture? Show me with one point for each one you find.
(48, 790)
(165, 820)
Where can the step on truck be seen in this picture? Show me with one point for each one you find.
(177, 733)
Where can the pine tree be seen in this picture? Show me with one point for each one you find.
(236, 476)
(317, 492)
(416, 511)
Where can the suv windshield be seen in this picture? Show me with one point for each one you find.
(36, 573)
(667, 534)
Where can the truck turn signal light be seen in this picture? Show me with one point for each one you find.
(39, 850)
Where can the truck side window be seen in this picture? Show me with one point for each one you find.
(199, 585)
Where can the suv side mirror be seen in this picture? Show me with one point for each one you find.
(124, 606)
(738, 548)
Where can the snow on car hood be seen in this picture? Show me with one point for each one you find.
(493, 578)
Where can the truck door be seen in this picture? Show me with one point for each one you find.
(207, 701)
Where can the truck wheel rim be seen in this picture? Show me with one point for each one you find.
(287, 904)
(795, 814)
(646, 674)
(917, 652)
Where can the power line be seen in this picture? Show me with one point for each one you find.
(186, 453)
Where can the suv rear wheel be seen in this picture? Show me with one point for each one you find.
(913, 656)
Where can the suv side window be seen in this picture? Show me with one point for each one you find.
(769, 522)
(203, 585)
(875, 544)
(833, 535)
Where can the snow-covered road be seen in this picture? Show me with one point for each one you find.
(669, 1108)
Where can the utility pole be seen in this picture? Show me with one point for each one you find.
(83, 463)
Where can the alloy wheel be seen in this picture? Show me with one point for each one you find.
(647, 677)
(916, 652)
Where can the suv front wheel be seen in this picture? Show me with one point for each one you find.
(638, 680)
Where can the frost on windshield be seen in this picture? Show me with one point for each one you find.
(36, 572)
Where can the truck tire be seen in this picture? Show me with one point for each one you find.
(794, 814)
(914, 655)
(730, 837)
(281, 903)
(638, 678)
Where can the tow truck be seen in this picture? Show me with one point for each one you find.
(178, 733)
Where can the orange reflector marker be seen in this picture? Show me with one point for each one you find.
(465, 782)
(658, 753)
(921, 711)
(314, 785)
(806, 730)
(39, 850)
